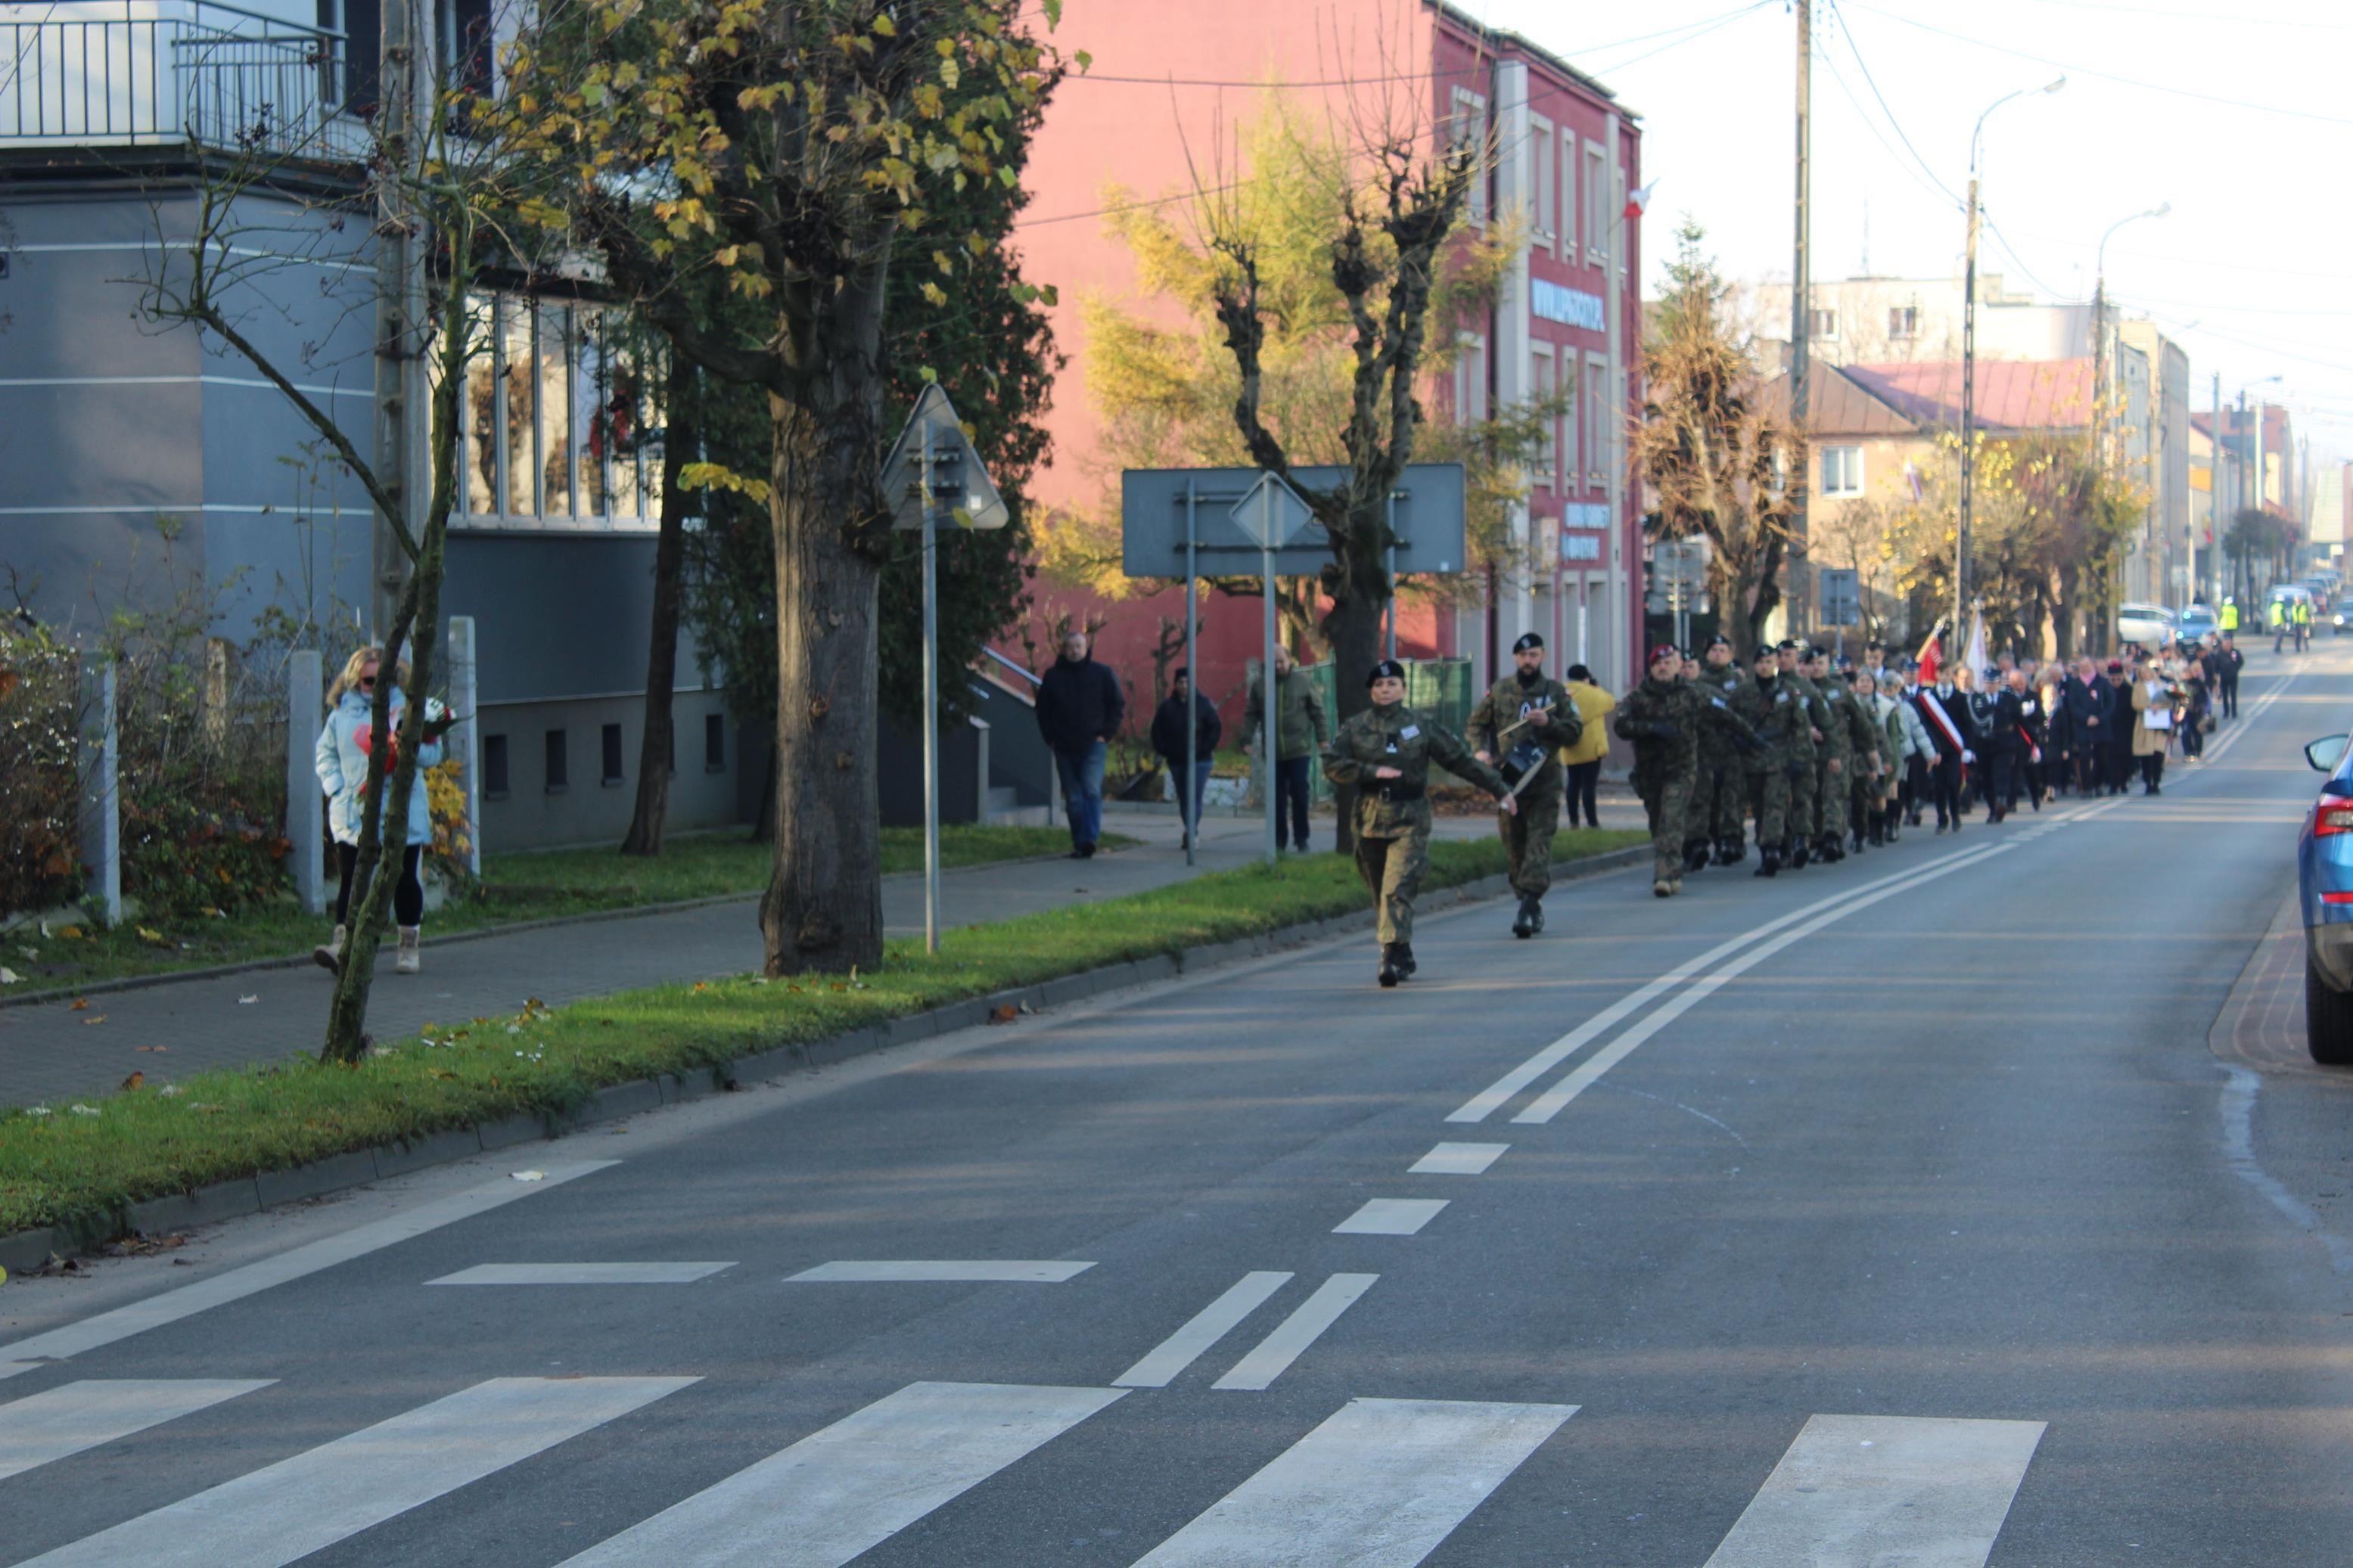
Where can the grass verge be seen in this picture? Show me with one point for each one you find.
(543, 884)
(79, 1164)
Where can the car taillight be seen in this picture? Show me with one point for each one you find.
(2332, 816)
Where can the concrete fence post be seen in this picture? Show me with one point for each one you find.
(101, 801)
(466, 738)
(305, 803)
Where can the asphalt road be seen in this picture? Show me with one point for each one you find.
(1900, 1212)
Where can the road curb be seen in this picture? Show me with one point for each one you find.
(29, 1250)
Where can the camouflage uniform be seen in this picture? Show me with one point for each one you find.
(1774, 712)
(1393, 814)
(1871, 763)
(1805, 753)
(1833, 784)
(1527, 835)
(1720, 808)
(1666, 719)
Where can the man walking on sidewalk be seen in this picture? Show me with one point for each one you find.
(1169, 723)
(1301, 728)
(1080, 705)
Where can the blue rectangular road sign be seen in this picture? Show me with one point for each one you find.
(1428, 521)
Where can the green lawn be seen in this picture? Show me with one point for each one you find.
(524, 887)
(80, 1164)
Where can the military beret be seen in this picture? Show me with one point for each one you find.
(1387, 670)
(1664, 650)
(1529, 642)
(1719, 640)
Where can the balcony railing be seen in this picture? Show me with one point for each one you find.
(212, 75)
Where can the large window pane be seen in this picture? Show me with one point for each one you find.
(624, 405)
(481, 414)
(518, 375)
(555, 342)
(592, 425)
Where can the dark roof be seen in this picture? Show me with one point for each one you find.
(1501, 39)
(1836, 405)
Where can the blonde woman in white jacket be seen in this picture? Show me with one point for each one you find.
(341, 758)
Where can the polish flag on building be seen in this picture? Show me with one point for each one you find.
(1638, 202)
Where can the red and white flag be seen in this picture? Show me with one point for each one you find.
(1932, 655)
(1639, 201)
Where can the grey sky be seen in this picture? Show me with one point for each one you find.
(2247, 272)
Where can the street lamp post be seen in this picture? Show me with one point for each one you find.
(2100, 398)
(1969, 369)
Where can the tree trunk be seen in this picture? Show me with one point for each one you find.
(1354, 630)
(645, 824)
(823, 908)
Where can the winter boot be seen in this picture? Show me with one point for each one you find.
(410, 960)
(329, 955)
(1880, 829)
(1768, 862)
(1390, 973)
(1675, 886)
(1663, 887)
(1523, 923)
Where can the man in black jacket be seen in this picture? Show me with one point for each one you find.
(1080, 705)
(1945, 702)
(1168, 729)
(2091, 724)
(2119, 754)
(2228, 661)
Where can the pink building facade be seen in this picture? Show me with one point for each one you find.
(1165, 93)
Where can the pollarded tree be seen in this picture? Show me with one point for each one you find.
(1719, 461)
(785, 145)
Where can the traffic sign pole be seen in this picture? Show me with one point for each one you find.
(1266, 670)
(930, 710)
(1188, 808)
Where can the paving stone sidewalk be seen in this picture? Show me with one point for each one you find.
(50, 1054)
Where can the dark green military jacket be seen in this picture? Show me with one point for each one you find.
(1777, 712)
(1396, 737)
(1689, 709)
(1804, 746)
(1508, 701)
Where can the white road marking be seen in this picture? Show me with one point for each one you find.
(324, 1495)
(1550, 1103)
(902, 1271)
(1273, 1354)
(1856, 1491)
(1457, 1159)
(1379, 1485)
(1391, 1216)
(582, 1274)
(841, 1491)
(2254, 710)
(1205, 1328)
(1493, 1097)
(239, 1283)
(62, 1421)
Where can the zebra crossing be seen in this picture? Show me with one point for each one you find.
(1379, 1481)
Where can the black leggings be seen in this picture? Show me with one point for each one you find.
(1583, 778)
(408, 897)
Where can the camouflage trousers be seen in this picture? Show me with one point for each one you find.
(1392, 869)
(1768, 803)
(1719, 803)
(1805, 801)
(1528, 839)
(1668, 802)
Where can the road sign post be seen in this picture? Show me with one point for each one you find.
(934, 477)
(1188, 803)
(1271, 514)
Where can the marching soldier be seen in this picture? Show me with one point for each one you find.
(1771, 707)
(1806, 740)
(1519, 727)
(1665, 717)
(1872, 761)
(1385, 754)
(1836, 761)
(1719, 813)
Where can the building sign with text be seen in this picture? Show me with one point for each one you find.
(1569, 307)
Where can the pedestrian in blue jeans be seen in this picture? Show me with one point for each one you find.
(1079, 707)
(1168, 722)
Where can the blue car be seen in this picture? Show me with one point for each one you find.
(2195, 623)
(2324, 875)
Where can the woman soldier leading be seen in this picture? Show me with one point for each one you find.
(1385, 752)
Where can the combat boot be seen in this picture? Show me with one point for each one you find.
(1406, 964)
(1696, 855)
(1389, 973)
(1730, 852)
(1536, 912)
(1798, 852)
(1858, 841)
(1768, 862)
(1662, 887)
(1523, 923)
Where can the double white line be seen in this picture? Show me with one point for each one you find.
(1699, 981)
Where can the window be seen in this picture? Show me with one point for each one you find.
(1568, 196)
(494, 767)
(1470, 379)
(1597, 205)
(715, 743)
(1469, 127)
(464, 38)
(1596, 429)
(1825, 324)
(1540, 147)
(519, 445)
(1841, 470)
(1572, 438)
(553, 348)
(559, 770)
(612, 738)
(1540, 392)
(1904, 322)
(561, 429)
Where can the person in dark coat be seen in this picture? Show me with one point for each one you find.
(2058, 734)
(2228, 662)
(2090, 723)
(1944, 715)
(2119, 750)
(1169, 722)
(1080, 709)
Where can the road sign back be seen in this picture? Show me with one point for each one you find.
(1271, 514)
(1427, 522)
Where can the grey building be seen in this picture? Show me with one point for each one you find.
(114, 431)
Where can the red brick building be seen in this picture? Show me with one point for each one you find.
(1167, 86)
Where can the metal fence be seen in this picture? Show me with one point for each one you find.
(216, 75)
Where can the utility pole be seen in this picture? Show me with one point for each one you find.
(1968, 407)
(1801, 301)
(401, 410)
(2214, 525)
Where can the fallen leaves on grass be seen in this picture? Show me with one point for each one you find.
(136, 1080)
